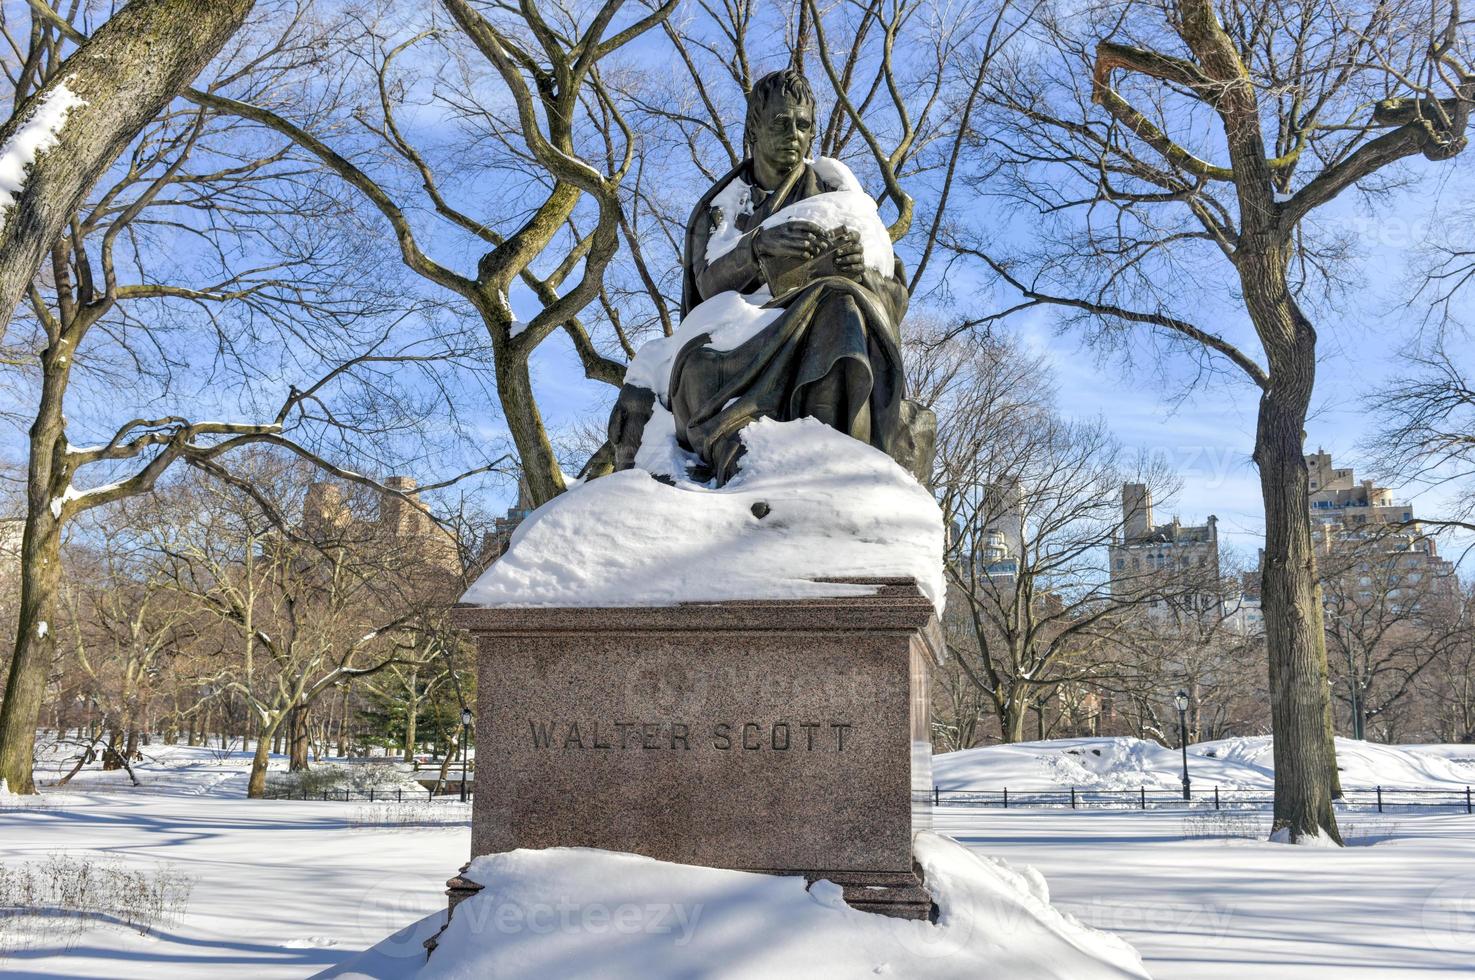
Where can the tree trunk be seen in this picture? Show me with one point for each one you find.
(1012, 716)
(35, 641)
(256, 786)
(445, 764)
(534, 450)
(1300, 699)
(112, 761)
(412, 712)
(120, 79)
(297, 738)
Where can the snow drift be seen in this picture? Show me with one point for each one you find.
(1124, 763)
(571, 912)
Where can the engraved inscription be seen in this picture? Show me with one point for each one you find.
(678, 736)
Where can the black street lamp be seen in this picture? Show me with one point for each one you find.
(1181, 700)
(465, 739)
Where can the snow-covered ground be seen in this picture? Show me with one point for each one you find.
(189, 770)
(1399, 903)
(285, 889)
(280, 889)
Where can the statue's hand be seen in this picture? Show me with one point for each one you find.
(792, 239)
(850, 257)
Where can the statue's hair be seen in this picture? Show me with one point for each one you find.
(788, 83)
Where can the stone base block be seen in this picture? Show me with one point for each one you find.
(902, 896)
(788, 737)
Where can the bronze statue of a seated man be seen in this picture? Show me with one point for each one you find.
(831, 348)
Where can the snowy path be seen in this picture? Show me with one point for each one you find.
(1237, 908)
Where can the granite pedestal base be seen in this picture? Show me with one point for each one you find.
(786, 736)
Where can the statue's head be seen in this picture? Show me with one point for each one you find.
(780, 124)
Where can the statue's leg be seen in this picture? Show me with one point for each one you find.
(836, 352)
(829, 400)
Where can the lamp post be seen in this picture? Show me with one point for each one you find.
(465, 739)
(1181, 700)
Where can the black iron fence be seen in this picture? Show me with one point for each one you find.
(450, 789)
(1383, 798)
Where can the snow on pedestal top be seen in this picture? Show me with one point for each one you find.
(837, 508)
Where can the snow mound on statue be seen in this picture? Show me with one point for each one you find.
(1246, 763)
(732, 318)
(844, 203)
(571, 912)
(836, 508)
(851, 210)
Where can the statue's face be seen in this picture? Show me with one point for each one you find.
(784, 135)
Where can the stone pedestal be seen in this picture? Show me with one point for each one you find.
(785, 736)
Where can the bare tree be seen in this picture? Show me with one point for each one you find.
(1389, 616)
(1427, 430)
(1447, 687)
(1033, 502)
(1196, 639)
(1110, 123)
(960, 710)
(124, 628)
(1446, 275)
(206, 253)
(71, 116)
(300, 609)
(403, 690)
(532, 239)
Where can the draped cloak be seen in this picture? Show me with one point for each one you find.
(833, 330)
